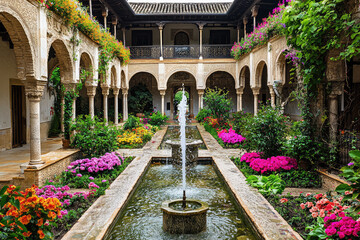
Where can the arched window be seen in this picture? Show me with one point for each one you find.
(181, 38)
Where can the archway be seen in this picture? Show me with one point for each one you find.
(261, 80)
(111, 101)
(175, 84)
(144, 95)
(86, 75)
(225, 81)
(181, 38)
(248, 96)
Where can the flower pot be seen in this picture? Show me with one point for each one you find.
(140, 115)
(66, 143)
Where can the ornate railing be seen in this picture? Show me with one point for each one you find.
(216, 51)
(183, 51)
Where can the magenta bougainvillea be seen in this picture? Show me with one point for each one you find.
(230, 136)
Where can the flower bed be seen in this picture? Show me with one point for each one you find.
(230, 136)
(137, 137)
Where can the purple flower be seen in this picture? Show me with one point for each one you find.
(78, 175)
(350, 163)
(103, 180)
(91, 178)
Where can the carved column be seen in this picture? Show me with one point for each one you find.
(91, 92)
(161, 27)
(62, 113)
(239, 93)
(34, 91)
(245, 21)
(90, 8)
(201, 94)
(116, 105)
(256, 92)
(201, 27)
(273, 96)
(254, 12)
(125, 104)
(114, 23)
(105, 13)
(123, 32)
(238, 34)
(162, 93)
(105, 93)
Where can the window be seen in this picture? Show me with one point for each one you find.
(141, 37)
(219, 37)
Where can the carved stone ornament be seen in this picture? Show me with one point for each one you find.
(91, 90)
(201, 91)
(240, 90)
(335, 70)
(124, 91)
(105, 90)
(256, 90)
(34, 89)
(116, 91)
(337, 88)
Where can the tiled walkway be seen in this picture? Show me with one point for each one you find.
(10, 160)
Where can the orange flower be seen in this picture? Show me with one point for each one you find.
(27, 234)
(41, 234)
(25, 219)
(40, 222)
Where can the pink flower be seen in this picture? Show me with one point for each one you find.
(78, 175)
(284, 200)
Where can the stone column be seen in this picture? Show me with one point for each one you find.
(125, 104)
(162, 93)
(90, 8)
(91, 92)
(201, 27)
(62, 113)
(105, 92)
(116, 103)
(239, 93)
(114, 23)
(254, 12)
(201, 94)
(245, 21)
(337, 90)
(273, 96)
(123, 32)
(105, 13)
(256, 92)
(238, 34)
(34, 91)
(161, 27)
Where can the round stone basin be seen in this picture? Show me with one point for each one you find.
(192, 220)
(192, 152)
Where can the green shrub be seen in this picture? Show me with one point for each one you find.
(131, 123)
(203, 113)
(242, 122)
(157, 119)
(270, 185)
(267, 133)
(217, 101)
(94, 138)
(140, 99)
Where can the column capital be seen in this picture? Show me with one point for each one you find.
(256, 90)
(91, 90)
(162, 92)
(337, 88)
(114, 20)
(160, 25)
(104, 11)
(116, 91)
(240, 91)
(34, 89)
(201, 91)
(105, 90)
(255, 10)
(201, 25)
(124, 91)
(245, 20)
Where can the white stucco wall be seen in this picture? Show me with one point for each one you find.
(7, 71)
(47, 101)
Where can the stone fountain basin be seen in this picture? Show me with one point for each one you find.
(184, 221)
(188, 144)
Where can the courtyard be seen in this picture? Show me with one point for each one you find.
(126, 119)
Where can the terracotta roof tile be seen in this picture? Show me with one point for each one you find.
(180, 8)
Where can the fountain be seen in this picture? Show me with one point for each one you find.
(182, 216)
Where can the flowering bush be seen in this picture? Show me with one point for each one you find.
(342, 225)
(324, 206)
(157, 119)
(25, 215)
(271, 164)
(230, 136)
(136, 137)
(76, 16)
(270, 26)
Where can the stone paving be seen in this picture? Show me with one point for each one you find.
(10, 160)
(95, 223)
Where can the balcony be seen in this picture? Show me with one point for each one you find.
(180, 51)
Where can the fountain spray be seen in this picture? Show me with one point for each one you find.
(182, 122)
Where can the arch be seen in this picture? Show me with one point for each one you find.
(280, 68)
(219, 70)
(181, 38)
(20, 36)
(243, 72)
(86, 64)
(174, 71)
(144, 71)
(123, 81)
(258, 73)
(65, 60)
(113, 77)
